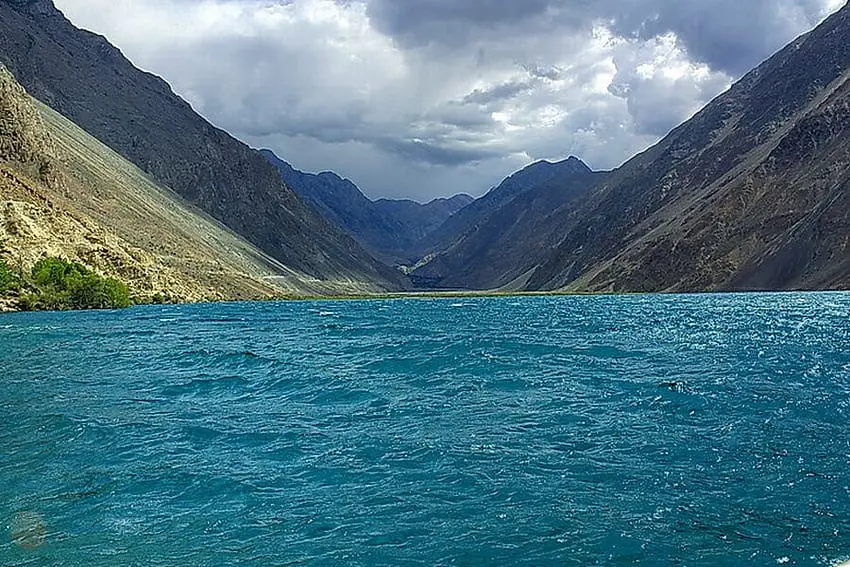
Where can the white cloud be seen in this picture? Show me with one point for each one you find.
(328, 84)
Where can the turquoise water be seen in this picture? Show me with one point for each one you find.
(653, 430)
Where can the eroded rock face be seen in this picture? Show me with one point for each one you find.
(37, 7)
(23, 137)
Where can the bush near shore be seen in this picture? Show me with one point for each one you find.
(57, 284)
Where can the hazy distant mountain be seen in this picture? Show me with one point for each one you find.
(752, 193)
(387, 228)
(421, 220)
(86, 79)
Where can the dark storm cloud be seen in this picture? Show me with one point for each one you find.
(732, 35)
(424, 98)
(417, 22)
(503, 91)
(426, 153)
(729, 35)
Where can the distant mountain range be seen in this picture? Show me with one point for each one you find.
(753, 193)
(388, 228)
(82, 76)
(490, 243)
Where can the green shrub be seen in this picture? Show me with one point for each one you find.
(43, 301)
(61, 284)
(6, 277)
(58, 274)
(94, 292)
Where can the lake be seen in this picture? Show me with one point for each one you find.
(598, 430)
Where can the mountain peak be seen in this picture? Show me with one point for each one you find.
(576, 164)
(570, 165)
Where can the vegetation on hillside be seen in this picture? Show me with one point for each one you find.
(57, 284)
(6, 277)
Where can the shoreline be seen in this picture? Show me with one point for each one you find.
(8, 305)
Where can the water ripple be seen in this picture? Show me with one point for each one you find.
(673, 430)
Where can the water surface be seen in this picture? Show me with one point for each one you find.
(650, 430)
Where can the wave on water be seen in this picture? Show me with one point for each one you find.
(660, 430)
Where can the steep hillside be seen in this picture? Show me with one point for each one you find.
(752, 193)
(471, 217)
(63, 193)
(86, 79)
(498, 250)
(387, 228)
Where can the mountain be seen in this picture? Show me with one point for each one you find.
(83, 77)
(63, 193)
(419, 220)
(387, 228)
(475, 214)
(488, 244)
(752, 193)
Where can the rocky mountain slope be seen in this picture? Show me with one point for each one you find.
(63, 193)
(477, 213)
(486, 245)
(86, 79)
(752, 193)
(387, 228)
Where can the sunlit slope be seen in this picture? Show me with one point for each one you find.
(64, 193)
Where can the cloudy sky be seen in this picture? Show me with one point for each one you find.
(427, 98)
